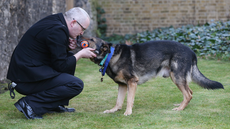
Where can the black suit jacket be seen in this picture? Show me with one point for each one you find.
(42, 52)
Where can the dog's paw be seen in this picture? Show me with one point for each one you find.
(127, 113)
(176, 105)
(110, 111)
(107, 111)
(177, 109)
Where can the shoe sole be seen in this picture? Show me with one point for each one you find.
(20, 109)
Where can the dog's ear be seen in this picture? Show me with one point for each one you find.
(105, 47)
(109, 44)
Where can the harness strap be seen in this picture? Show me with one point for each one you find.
(103, 70)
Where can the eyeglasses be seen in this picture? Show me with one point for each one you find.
(83, 29)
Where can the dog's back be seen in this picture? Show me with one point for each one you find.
(160, 58)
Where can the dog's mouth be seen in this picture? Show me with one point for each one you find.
(101, 52)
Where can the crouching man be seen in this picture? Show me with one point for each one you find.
(42, 67)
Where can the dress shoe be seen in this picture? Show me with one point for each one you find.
(23, 107)
(61, 109)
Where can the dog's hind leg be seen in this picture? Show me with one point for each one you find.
(187, 97)
(122, 89)
(186, 91)
(177, 105)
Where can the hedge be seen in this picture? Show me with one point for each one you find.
(208, 40)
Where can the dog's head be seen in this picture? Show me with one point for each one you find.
(101, 47)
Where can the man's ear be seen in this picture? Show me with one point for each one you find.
(72, 23)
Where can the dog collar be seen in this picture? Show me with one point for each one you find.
(103, 70)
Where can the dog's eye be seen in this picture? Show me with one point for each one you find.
(102, 48)
(92, 39)
(105, 48)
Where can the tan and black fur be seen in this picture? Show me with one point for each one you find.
(136, 64)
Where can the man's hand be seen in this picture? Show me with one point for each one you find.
(85, 53)
(72, 44)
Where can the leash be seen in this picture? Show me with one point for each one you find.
(106, 60)
(11, 87)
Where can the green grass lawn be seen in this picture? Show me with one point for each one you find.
(152, 108)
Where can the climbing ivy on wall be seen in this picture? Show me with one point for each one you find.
(101, 22)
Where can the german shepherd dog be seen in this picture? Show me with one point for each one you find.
(135, 64)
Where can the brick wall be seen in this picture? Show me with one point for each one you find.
(132, 16)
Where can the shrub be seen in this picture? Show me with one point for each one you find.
(210, 39)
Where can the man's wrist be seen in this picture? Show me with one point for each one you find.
(77, 56)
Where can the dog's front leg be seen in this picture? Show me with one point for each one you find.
(132, 86)
(122, 89)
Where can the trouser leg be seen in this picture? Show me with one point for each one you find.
(47, 95)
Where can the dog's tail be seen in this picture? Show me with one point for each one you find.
(203, 81)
